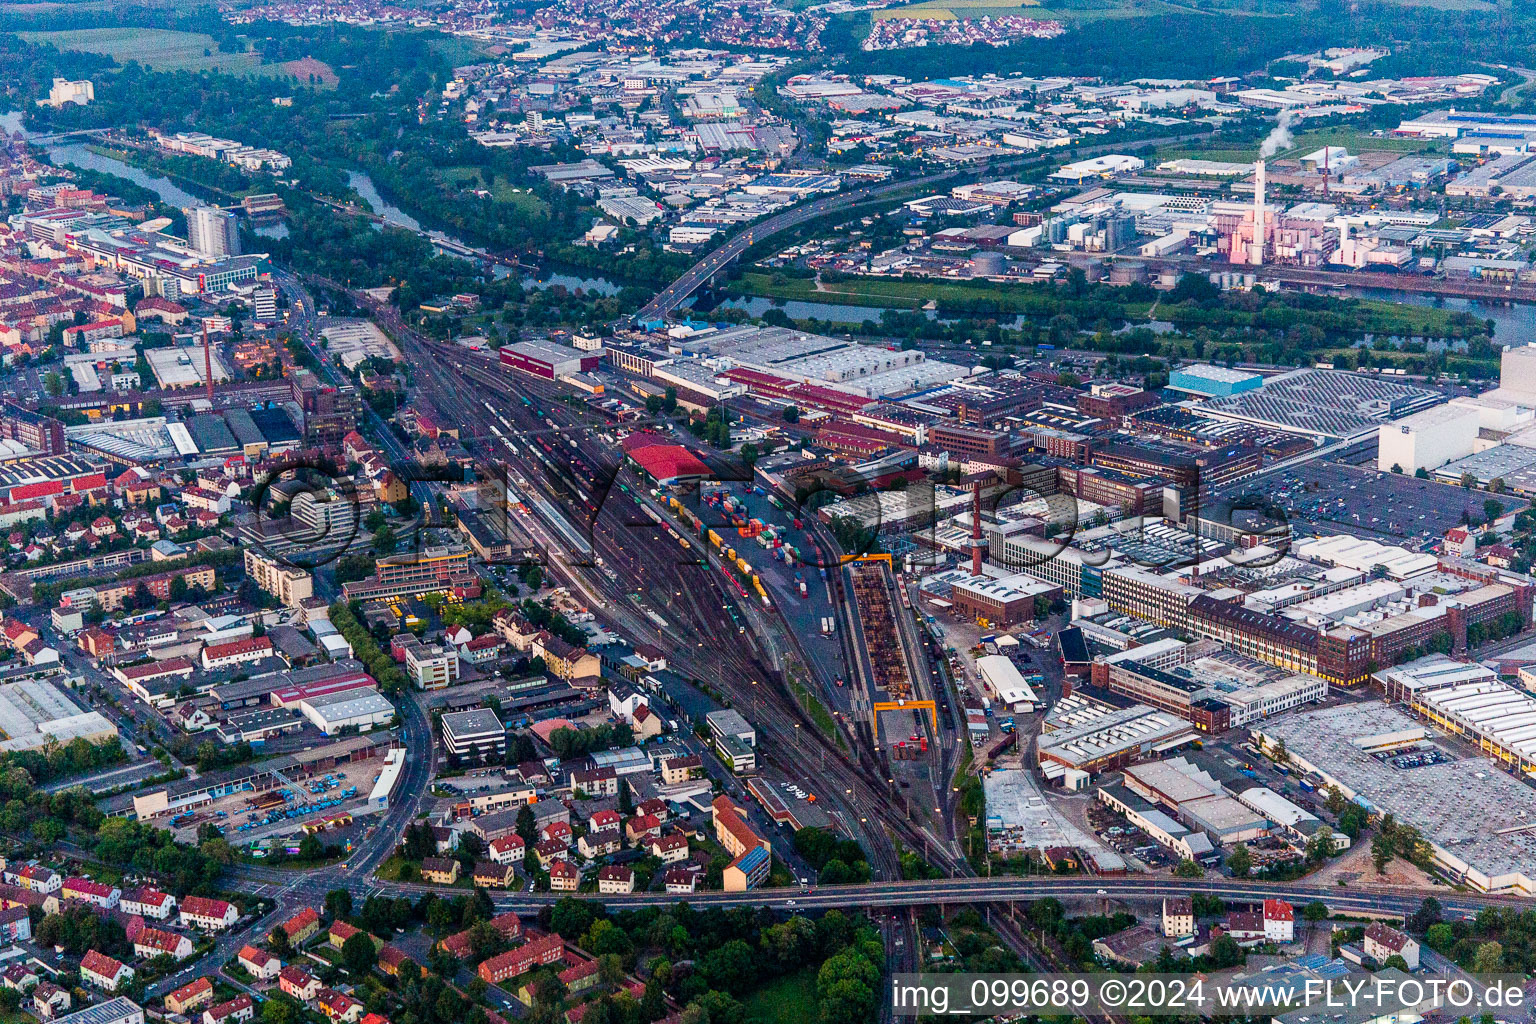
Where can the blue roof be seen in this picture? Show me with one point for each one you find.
(752, 859)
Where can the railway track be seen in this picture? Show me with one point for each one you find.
(699, 605)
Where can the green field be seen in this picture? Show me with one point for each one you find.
(1357, 141)
(787, 1000)
(161, 49)
(469, 177)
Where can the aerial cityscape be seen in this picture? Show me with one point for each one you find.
(763, 511)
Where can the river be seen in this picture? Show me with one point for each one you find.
(1513, 322)
(75, 153)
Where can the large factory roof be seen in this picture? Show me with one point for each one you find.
(1322, 403)
(1476, 816)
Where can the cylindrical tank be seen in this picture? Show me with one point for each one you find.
(989, 264)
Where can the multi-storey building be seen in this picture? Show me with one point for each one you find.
(288, 583)
(1146, 595)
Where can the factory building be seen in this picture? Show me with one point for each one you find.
(1428, 439)
(541, 359)
(1213, 381)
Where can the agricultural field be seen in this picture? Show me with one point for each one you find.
(161, 49)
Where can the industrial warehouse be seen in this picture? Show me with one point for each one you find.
(1475, 817)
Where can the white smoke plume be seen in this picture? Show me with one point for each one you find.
(1279, 137)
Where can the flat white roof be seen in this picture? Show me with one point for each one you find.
(1005, 679)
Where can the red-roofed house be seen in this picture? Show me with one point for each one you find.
(260, 964)
(153, 942)
(545, 950)
(190, 996)
(236, 652)
(35, 877)
(339, 1006)
(299, 983)
(209, 914)
(1279, 921)
(508, 849)
(301, 926)
(240, 1008)
(391, 959)
(563, 877)
(147, 902)
(91, 891)
(104, 972)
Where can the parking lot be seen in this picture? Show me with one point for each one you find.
(1330, 497)
(248, 816)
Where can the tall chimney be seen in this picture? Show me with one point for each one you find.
(207, 363)
(1258, 213)
(976, 528)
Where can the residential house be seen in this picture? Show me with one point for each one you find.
(102, 895)
(153, 942)
(103, 971)
(440, 870)
(1279, 921)
(49, 1000)
(148, 902)
(258, 963)
(301, 927)
(615, 878)
(1178, 917)
(508, 849)
(488, 874)
(240, 1008)
(208, 914)
(563, 877)
(1383, 941)
(669, 848)
(298, 983)
(190, 996)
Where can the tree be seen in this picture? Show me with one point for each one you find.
(1240, 861)
(791, 414)
(571, 918)
(1225, 952)
(279, 1008)
(53, 384)
(338, 904)
(1427, 916)
(1489, 958)
(1440, 937)
(848, 987)
(281, 945)
(1317, 910)
(1187, 868)
(1492, 509)
(1396, 961)
(358, 954)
